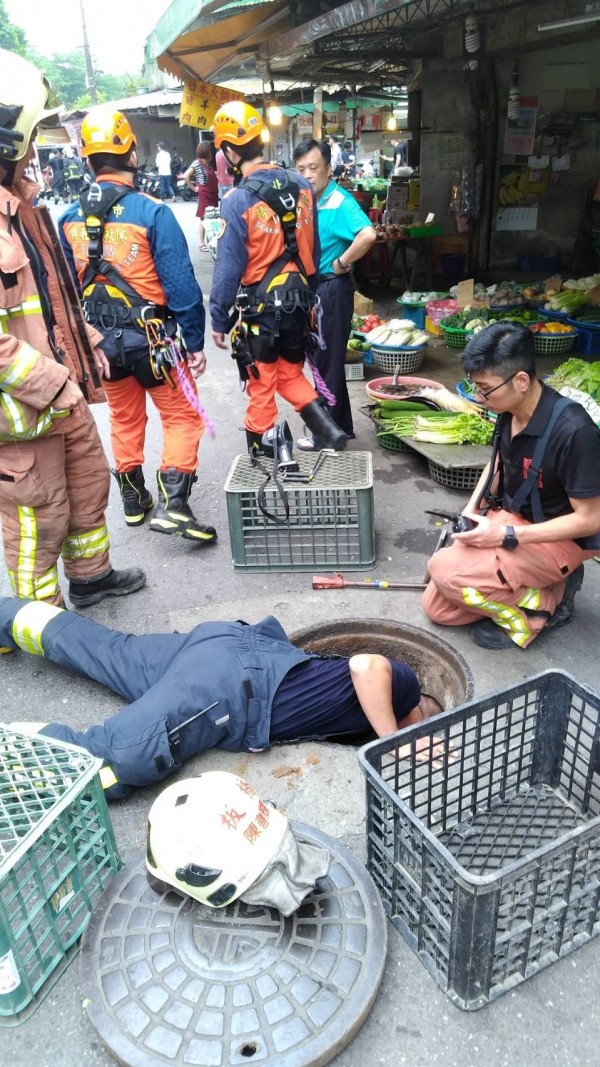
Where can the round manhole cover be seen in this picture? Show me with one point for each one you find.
(168, 981)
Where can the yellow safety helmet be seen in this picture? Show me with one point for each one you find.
(27, 100)
(238, 123)
(211, 837)
(106, 130)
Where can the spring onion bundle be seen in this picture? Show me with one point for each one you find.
(567, 301)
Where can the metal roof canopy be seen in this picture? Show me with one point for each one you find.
(363, 42)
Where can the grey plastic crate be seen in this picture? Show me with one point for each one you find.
(331, 521)
(489, 865)
(57, 853)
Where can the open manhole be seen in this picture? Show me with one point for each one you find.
(441, 670)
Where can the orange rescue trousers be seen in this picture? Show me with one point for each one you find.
(518, 589)
(53, 494)
(281, 377)
(182, 427)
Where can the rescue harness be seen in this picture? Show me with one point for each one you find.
(112, 304)
(281, 292)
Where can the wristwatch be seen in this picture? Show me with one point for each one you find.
(510, 538)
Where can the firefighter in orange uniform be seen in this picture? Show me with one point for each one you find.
(54, 478)
(131, 260)
(266, 269)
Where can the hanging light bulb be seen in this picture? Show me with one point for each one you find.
(472, 35)
(265, 136)
(514, 95)
(274, 115)
(391, 122)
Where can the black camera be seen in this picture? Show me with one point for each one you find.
(460, 523)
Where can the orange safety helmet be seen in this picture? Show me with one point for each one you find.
(105, 130)
(237, 123)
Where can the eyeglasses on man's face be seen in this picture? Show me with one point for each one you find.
(485, 393)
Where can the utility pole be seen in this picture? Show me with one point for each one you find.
(91, 77)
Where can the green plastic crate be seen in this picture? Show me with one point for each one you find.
(57, 853)
(331, 520)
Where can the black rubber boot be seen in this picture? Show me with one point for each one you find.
(137, 501)
(254, 443)
(173, 514)
(566, 609)
(325, 431)
(90, 591)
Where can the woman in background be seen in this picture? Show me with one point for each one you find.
(201, 178)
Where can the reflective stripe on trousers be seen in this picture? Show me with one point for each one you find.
(44, 586)
(28, 626)
(85, 545)
(504, 616)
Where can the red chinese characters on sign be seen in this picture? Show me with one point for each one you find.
(252, 833)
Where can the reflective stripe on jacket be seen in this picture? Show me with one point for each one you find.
(32, 373)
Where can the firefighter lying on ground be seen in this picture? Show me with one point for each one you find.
(130, 258)
(232, 686)
(266, 268)
(517, 573)
(54, 477)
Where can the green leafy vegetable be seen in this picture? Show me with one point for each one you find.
(578, 374)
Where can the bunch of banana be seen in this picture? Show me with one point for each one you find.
(510, 193)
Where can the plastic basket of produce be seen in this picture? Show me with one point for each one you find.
(465, 389)
(505, 309)
(420, 300)
(400, 360)
(557, 316)
(554, 344)
(588, 341)
(454, 337)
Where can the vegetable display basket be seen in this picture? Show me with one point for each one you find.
(488, 865)
(454, 477)
(406, 360)
(588, 339)
(554, 344)
(455, 337)
(57, 854)
(557, 316)
(389, 440)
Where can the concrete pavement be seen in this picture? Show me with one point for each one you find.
(551, 1019)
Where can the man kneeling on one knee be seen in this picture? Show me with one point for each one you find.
(536, 505)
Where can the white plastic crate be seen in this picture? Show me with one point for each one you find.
(355, 372)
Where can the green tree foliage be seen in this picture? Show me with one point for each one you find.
(11, 37)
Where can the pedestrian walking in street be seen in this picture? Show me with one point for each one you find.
(266, 267)
(54, 477)
(345, 235)
(131, 261)
(201, 178)
(535, 509)
(163, 167)
(224, 174)
(226, 685)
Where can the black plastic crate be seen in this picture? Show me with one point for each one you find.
(489, 866)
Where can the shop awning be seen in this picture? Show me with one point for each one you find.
(212, 41)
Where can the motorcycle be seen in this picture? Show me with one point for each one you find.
(183, 190)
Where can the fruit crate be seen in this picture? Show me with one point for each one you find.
(406, 360)
(57, 853)
(489, 866)
(330, 523)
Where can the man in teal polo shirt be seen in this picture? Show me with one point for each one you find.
(345, 235)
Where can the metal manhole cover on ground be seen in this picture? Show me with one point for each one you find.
(168, 981)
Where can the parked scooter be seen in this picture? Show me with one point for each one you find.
(183, 190)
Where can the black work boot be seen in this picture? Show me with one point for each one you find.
(325, 431)
(137, 501)
(566, 609)
(173, 514)
(254, 443)
(88, 591)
